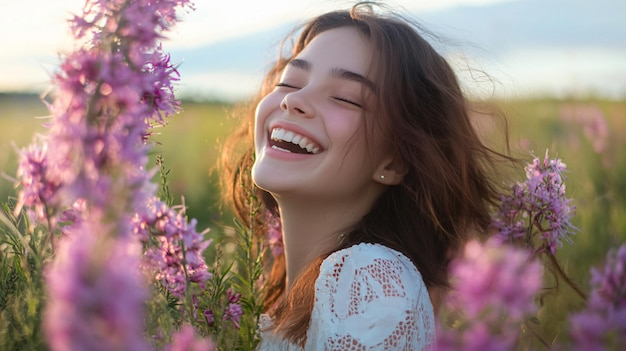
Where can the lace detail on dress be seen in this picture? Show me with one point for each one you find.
(367, 297)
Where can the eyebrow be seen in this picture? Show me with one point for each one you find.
(335, 72)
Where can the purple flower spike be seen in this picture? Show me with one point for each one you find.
(96, 292)
(274, 234)
(603, 321)
(496, 276)
(210, 318)
(185, 340)
(91, 176)
(38, 187)
(494, 289)
(108, 94)
(538, 207)
(233, 312)
(178, 254)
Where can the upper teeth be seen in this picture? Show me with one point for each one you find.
(280, 134)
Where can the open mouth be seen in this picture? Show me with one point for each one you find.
(288, 141)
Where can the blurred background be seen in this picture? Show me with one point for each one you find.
(559, 48)
(556, 68)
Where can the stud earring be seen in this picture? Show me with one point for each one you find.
(382, 176)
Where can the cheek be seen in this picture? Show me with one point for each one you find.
(363, 146)
(264, 106)
(346, 130)
(264, 109)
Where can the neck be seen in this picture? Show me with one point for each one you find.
(311, 229)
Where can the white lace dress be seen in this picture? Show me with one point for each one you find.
(367, 297)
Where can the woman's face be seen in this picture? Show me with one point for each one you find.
(309, 131)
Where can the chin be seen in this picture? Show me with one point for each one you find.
(273, 183)
(265, 178)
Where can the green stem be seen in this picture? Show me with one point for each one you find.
(188, 300)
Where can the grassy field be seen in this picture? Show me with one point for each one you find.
(588, 135)
(188, 145)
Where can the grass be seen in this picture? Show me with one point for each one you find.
(597, 181)
(190, 148)
(188, 145)
(18, 124)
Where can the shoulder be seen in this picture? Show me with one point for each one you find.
(370, 273)
(375, 261)
(365, 251)
(370, 295)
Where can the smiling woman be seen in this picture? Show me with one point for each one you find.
(315, 100)
(361, 145)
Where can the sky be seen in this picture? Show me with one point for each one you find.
(32, 32)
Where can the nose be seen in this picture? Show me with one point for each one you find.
(297, 104)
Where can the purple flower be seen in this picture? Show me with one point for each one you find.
(594, 124)
(98, 130)
(496, 276)
(538, 207)
(96, 292)
(232, 296)
(602, 324)
(185, 340)
(108, 95)
(161, 98)
(233, 312)
(177, 256)
(37, 186)
(139, 22)
(274, 234)
(91, 175)
(72, 219)
(210, 318)
(494, 287)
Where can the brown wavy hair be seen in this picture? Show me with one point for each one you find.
(447, 194)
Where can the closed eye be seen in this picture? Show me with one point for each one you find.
(285, 85)
(348, 101)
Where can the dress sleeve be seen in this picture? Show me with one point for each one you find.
(369, 297)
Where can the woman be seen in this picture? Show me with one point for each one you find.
(363, 148)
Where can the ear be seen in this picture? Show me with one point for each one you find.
(390, 171)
